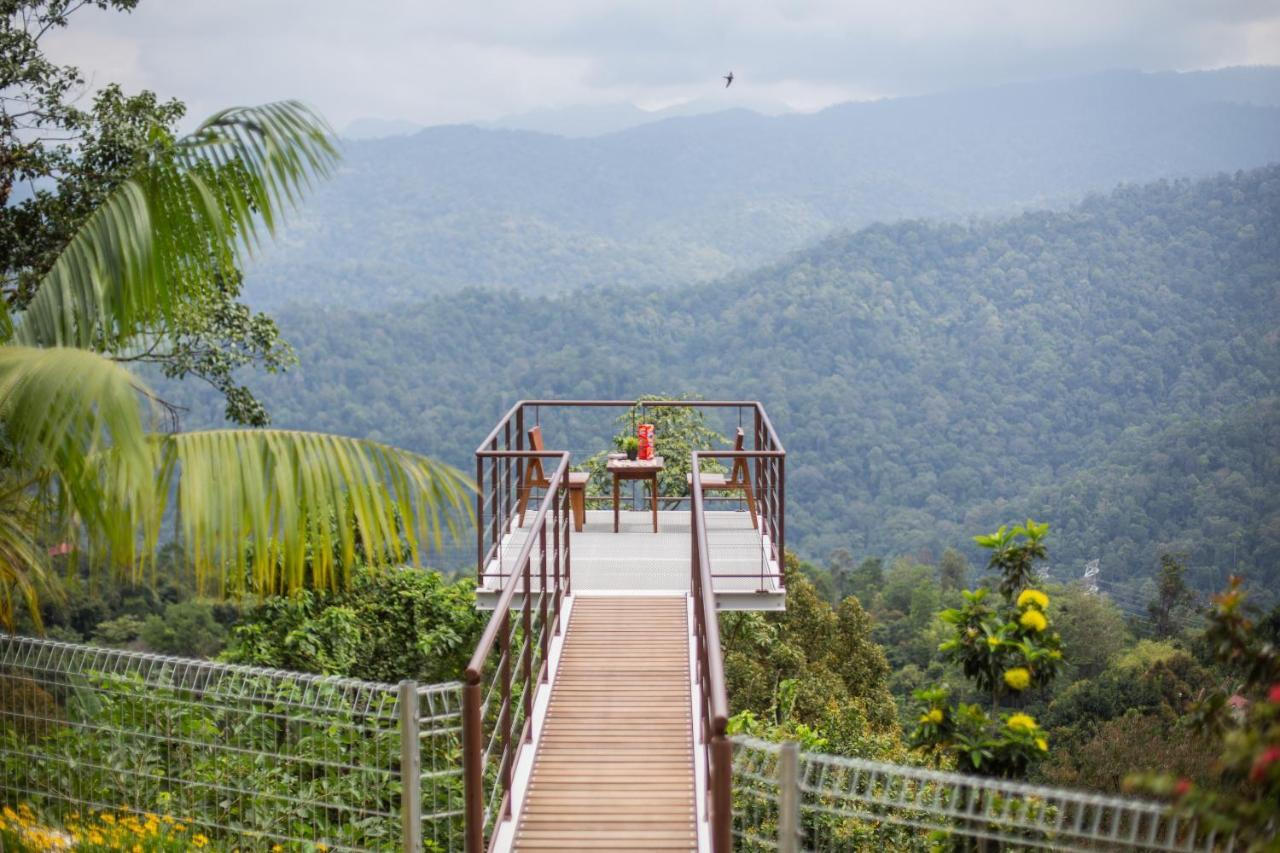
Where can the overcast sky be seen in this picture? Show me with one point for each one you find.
(467, 60)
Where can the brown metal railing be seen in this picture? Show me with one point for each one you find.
(513, 656)
(500, 468)
(714, 705)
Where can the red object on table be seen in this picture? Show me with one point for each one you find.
(644, 433)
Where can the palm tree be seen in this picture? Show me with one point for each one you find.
(85, 458)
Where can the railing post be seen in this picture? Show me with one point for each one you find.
(721, 793)
(789, 797)
(480, 549)
(472, 768)
(782, 518)
(410, 770)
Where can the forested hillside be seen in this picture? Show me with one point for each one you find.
(1113, 369)
(692, 199)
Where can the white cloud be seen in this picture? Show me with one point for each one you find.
(434, 62)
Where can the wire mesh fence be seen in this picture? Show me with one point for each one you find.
(814, 802)
(249, 758)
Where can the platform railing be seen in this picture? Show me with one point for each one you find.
(501, 462)
(512, 660)
(713, 706)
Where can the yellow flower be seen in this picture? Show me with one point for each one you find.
(1021, 722)
(934, 716)
(108, 818)
(179, 827)
(1033, 596)
(993, 641)
(1034, 620)
(167, 818)
(95, 837)
(1042, 744)
(1019, 678)
(199, 840)
(137, 848)
(276, 848)
(10, 813)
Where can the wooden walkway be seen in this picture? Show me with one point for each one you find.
(614, 767)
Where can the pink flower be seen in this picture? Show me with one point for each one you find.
(1181, 788)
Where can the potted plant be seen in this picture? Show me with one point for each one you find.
(631, 445)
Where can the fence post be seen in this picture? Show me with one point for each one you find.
(410, 769)
(789, 797)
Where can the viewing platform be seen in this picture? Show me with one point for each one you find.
(594, 706)
(637, 561)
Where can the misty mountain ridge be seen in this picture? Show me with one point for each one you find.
(695, 198)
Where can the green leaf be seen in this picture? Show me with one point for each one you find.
(159, 238)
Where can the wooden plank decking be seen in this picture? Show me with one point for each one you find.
(614, 767)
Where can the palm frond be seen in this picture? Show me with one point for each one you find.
(23, 561)
(294, 507)
(160, 237)
(64, 411)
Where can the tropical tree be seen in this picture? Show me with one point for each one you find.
(83, 439)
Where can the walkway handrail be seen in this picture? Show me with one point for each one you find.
(714, 704)
(508, 726)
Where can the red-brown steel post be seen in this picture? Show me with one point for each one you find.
(544, 636)
(526, 647)
(521, 462)
(480, 520)
(555, 566)
(782, 519)
(721, 792)
(504, 719)
(472, 768)
(506, 474)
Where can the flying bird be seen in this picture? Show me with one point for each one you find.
(728, 80)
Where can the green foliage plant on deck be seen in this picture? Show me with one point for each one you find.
(677, 432)
(1005, 647)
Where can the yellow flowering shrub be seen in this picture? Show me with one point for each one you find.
(1005, 645)
(123, 829)
(1033, 597)
(1033, 620)
(1021, 723)
(1019, 678)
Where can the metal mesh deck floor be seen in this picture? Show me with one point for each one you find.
(637, 559)
(614, 768)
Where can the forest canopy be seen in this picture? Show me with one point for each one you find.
(1114, 367)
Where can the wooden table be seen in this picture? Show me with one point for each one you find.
(641, 469)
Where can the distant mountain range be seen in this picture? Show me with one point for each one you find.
(691, 199)
(1112, 368)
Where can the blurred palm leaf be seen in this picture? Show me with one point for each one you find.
(22, 560)
(192, 210)
(272, 509)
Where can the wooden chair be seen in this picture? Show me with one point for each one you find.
(535, 478)
(739, 479)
